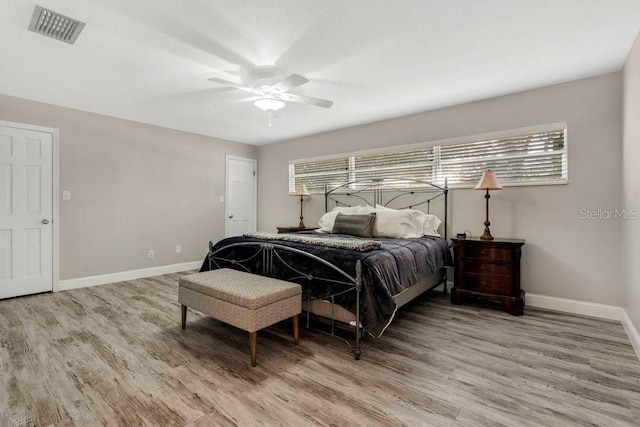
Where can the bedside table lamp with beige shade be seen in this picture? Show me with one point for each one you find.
(488, 182)
(302, 192)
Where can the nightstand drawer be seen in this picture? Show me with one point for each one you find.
(494, 285)
(486, 252)
(477, 266)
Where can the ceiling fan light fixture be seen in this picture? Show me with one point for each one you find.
(269, 104)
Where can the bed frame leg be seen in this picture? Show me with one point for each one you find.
(183, 309)
(356, 349)
(444, 282)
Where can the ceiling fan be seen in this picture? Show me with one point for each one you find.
(270, 94)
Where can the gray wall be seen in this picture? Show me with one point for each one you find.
(565, 256)
(134, 187)
(631, 183)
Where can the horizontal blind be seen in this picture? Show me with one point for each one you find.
(536, 158)
(316, 174)
(412, 165)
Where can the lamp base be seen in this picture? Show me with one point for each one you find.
(487, 234)
(301, 225)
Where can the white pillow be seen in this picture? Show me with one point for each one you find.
(347, 210)
(431, 224)
(397, 224)
(426, 222)
(327, 220)
(363, 210)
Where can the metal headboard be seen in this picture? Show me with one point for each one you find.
(400, 193)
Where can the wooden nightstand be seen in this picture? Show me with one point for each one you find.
(489, 271)
(294, 229)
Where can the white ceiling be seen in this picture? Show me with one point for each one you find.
(149, 60)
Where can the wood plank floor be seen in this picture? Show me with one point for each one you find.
(116, 355)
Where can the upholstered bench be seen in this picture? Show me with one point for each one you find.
(244, 300)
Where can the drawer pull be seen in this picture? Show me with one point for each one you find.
(484, 252)
(484, 284)
(484, 268)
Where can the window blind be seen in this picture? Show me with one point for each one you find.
(317, 174)
(534, 158)
(416, 164)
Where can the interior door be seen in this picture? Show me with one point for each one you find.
(241, 196)
(26, 210)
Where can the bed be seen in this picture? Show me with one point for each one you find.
(348, 276)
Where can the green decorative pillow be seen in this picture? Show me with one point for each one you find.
(356, 225)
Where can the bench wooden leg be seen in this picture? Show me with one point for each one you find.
(184, 315)
(253, 345)
(296, 330)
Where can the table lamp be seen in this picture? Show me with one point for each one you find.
(488, 182)
(301, 191)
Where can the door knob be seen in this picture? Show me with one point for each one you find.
(230, 216)
(45, 221)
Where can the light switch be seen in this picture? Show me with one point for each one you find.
(66, 195)
(221, 199)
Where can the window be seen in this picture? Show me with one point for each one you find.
(521, 158)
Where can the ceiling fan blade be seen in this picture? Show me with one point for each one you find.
(236, 85)
(294, 80)
(306, 100)
(239, 97)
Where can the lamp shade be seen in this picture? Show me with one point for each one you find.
(488, 182)
(302, 190)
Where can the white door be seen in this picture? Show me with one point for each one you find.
(241, 196)
(26, 211)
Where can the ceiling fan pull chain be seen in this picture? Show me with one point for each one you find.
(270, 114)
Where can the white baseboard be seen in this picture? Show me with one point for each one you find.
(592, 309)
(632, 333)
(83, 282)
(602, 311)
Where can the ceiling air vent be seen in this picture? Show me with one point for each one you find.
(54, 25)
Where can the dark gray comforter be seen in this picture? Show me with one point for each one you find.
(387, 271)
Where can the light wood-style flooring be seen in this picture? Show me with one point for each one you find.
(116, 355)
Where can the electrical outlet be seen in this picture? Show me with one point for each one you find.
(178, 249)
(151, 254)
(66, 195)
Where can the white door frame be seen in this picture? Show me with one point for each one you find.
(55, 170)
(255, 191)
